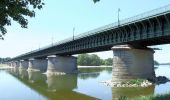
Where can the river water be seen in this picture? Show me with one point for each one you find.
(17, 84)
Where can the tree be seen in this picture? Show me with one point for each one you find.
(4, 59)
(96, 1)
(89, 60)
(17, 10)
(108, 61)
(83, 59)
(156, 63)
(95, 60)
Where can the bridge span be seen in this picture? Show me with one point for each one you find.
(128, 39)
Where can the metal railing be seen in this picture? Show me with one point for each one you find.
(149, 14)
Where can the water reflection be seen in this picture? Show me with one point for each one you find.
(132, 92)
(95, 69)
(84, 86)
(52, 87)
(62, 82)
(36, 77)
(86, 76)
(87, 73)
(23, 74)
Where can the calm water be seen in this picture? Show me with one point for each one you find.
(18, 84)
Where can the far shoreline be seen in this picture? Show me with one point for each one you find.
(4, 66)
(102, 66)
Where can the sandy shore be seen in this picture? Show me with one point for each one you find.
(3, 66)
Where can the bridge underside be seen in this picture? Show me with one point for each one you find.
(153, 30)
(140, 32)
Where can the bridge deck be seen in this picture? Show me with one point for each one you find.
(134, 29)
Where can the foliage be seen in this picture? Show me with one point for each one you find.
(149, 97)
(83, 59)
(162, 97)
(92, 60)
(133, 81)
(156, 63)
(17, 10)
(96, 1)
(4, 59)
(122, 98)
(89, 60)
(108, 61)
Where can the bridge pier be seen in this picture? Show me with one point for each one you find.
(10, 64)
(131, 63)
(15, 64)
(23, 64)
(37, 65)
(61, 65)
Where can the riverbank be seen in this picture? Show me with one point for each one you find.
(137, 82)
(128, 83)
(102, 66)
(4, 66)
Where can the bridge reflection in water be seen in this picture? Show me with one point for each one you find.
(64, 87)
(52, 87)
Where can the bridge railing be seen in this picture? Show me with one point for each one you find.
(149, 14)
(144, 15)
(155, 12)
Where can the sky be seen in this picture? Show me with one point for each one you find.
(55, 22)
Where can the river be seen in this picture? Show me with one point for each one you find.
(17, 84)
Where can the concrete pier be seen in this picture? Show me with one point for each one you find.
(15, 64)
(9, 64)
(37, 65)
(131, 63)
(23, 64)
(61, 65)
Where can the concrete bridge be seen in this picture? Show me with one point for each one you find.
(128, 39)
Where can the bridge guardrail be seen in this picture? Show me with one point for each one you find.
(155, 12)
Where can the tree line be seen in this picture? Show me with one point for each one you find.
(4, 59)
(156, 63)
(93, 60)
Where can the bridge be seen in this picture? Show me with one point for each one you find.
(128, 39)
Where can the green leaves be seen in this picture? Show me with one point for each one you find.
(17, 10)
(93, 60)
(96, 1)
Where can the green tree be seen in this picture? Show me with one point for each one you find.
(17, 10)
(156, 63)
(88, 60)
(95, 60)
(96, 1)
(108, 61)
(83, 59)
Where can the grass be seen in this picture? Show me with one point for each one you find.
(133, 81)
(150, 97)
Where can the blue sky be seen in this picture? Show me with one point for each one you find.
(58, 17)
